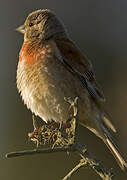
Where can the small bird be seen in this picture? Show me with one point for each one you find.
(51, 68)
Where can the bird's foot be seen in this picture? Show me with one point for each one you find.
(35, 136)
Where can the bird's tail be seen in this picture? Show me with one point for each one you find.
(113, 148)
(101, 127)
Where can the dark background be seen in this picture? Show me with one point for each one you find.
(100, 29)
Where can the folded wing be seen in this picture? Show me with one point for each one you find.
(80, 66)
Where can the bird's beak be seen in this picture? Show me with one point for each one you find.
(21, 29)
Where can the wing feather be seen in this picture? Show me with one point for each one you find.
(80, 66)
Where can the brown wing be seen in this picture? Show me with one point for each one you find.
(78, 64)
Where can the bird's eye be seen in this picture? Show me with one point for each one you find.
(31, 24)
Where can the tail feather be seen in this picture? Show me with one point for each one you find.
(121, 162)
(100, 128)
(109, 124)
(114, 149)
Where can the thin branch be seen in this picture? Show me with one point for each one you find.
(83, 163)
(39, 151)
(87, 159)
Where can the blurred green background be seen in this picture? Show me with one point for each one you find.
(100, 29)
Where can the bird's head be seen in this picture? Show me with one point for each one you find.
(41, 24)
